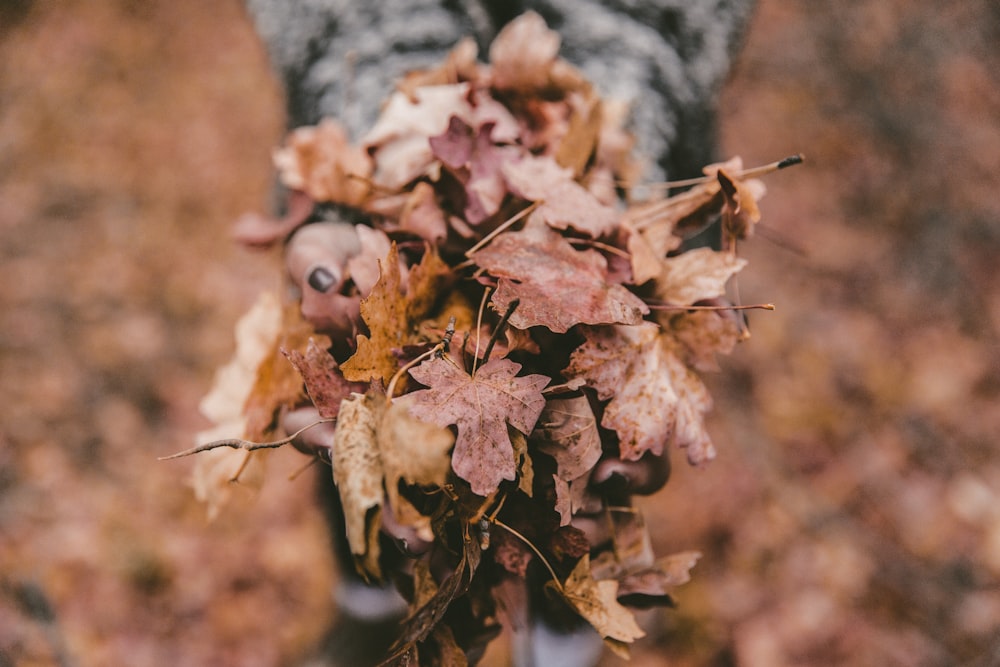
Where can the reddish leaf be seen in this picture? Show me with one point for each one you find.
(325, 384)
(696, 275)
(557, 286)
(564, 202)
(567, 431)
(481, 407)
(653, 397)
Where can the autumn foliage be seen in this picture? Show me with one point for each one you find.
(506, 314)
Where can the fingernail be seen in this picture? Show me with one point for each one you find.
(321, 279)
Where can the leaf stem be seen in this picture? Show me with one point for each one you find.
(501, 228)
(410, 364)
(498, 330)
(668, 306)
(538, 553)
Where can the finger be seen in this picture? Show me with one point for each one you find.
(612, 476)
(318, 440)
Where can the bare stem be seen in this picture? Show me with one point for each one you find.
(668, 306)
(392, 383)
(502, 228)
(498, 330)
(538, 553)
(239, 443)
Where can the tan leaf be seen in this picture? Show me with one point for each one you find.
(597, 602)
(357, 472)
(399, 140)
(413, 451)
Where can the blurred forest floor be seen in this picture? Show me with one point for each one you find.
(853, 514)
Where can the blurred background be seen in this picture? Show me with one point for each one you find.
(853, 514)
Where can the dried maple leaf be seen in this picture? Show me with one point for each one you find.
(564, 202)
(653, 397)
(324, 382)
(422, 215)
(695, 275)
(320, 162)
(556, 285)
(597, 602)
(392, 315)
(480, 406)
(384, 311)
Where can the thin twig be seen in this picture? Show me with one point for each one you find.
(239, 443)
(498, 330)
(668, 306)
(501, 228)
(479, 329)
(392, 383)
(538, 553)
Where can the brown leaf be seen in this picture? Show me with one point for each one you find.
(695, 275)
(392, 316)
(740, 212)
(422, 622)
(384, 311)
(567, 431)
(703, 334)
(581, 140)
(357, 471)
(480, 406)
(414, 451)
(277, 384)
(320, 162)
(557, 286)
(324, 382)
(564, 202)
(596, 601)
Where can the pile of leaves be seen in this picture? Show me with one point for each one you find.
(505, 317)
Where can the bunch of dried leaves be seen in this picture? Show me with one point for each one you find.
(510, 323)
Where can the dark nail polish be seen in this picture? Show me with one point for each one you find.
(321, 280)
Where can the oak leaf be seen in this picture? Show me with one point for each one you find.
(556, 285)
(480, 406)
